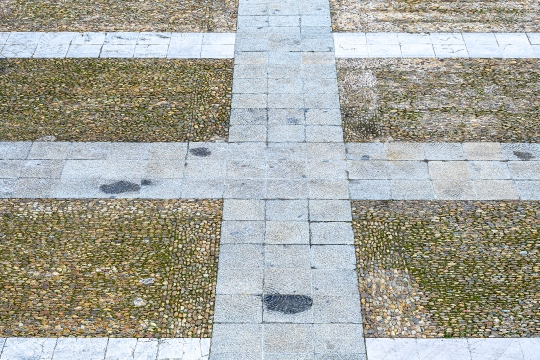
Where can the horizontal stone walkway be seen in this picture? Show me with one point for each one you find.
(451, 349)
(359, 171)
(116, 45)
(221, 45)
(104, 349)
(439, 45)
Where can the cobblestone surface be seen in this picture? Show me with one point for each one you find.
(432, 100)
(448, 269)
(426, 16)
(115, 100)
(114, 268)
(108, 15)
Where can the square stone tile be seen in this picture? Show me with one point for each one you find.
(87, 348)
(329, 210)
(324, 133)
(525, 170)
(286, 116)
(370, 189)
(443, 170)
(412, 190)
(288, 338)
(245, 169)
(202, 189)
(287, 281)
(241, 256)
(14, 149)
(240, 281)
(528, 189)
(325, 151)
(482, 151)
(287, 210)
(331, 233)
(444, 349)
(444, 151)
(339, 341)
(27, 348)
(366, 151)
(243, 210)
(495, 190)
(404, 151)
(337, 309)
(327, 169)
(333, 257)
(495, 348)
(328, 189)
(454, 190)
(121, 348)
(521, 151)
(488, 170)
(287, 256)
(287, 232)
(342, 282)
(245, 189)
(368, 169)
(238, 309)
(11, 169)
(323, 117)
(240, 340)
(287, 189)
(242, 232)
(408, 170)
(286, 169)
(49, 150)
(286, 133)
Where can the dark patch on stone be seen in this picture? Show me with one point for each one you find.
(365, 157)
(119, 187)
(146, 182)
(293, 121)
(202, 151)
(524, 155)
(288, 304)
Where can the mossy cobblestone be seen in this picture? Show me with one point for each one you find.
(448, 268)
(109, 15)
(116, 268)
(142, 100)
(440, 100)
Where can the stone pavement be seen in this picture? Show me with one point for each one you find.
(103, 348)
(287, 286)
(221, 45)
(116, 45)
(273, 170)
(440, 45)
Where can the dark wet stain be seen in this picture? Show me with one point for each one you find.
(524, 155)
(119, 187)
(365, 157)
(146, 182)
(288, 304)
(293, 121)
(202, 151)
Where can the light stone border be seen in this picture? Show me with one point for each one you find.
(437, 45)
(117, 45)
(221, 45)
(104, 348)
(251, 170)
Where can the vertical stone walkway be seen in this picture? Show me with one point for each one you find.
(287, 286)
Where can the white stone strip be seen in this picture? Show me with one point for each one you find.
(116, 45)
(444, 171)
(453, 349)
(104, 348)
(437, 45)
(370, 171)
